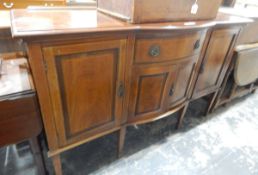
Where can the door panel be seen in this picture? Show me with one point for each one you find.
(83, 81)
(216, 60)
(149, 90)
(150, 93)
(92, 102)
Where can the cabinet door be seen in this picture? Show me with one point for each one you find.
(216, 61)
(179, 89)
(149, 90)
(86, 87)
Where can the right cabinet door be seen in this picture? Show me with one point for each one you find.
(216, 61)
(179, 89)
(149, 90)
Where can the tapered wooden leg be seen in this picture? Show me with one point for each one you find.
(35, 148)
(57, 164)
(211, 103)
(225, 105)
(181, 117)
(121, 141)
(233, 91)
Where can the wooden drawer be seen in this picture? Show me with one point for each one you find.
(19, 117)
(160, 47)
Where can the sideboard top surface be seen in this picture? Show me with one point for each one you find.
(26, 22)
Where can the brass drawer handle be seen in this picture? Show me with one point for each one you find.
(154, 51)
(8, 6)
(197, 44)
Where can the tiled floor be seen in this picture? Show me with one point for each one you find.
(223, 143)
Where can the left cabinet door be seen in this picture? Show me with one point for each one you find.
(86, 83)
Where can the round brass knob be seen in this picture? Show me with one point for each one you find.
(154, 51)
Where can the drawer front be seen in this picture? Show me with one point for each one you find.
(151, 49)
(19, 119)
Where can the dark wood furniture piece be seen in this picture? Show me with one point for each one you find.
(142, 11)
(99, 75)
(231, 87)
(21, 4)
(19, 111)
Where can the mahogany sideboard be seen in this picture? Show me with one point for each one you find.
(96, 75)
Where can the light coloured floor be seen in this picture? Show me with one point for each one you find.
(223, 143)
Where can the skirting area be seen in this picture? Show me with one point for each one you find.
(222, 143)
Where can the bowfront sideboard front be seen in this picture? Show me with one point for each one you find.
(101, 74)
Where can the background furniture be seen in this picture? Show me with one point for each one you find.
(18, 4)
(143, 11)
(19, 111)
(249, 33)
(237, 82)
